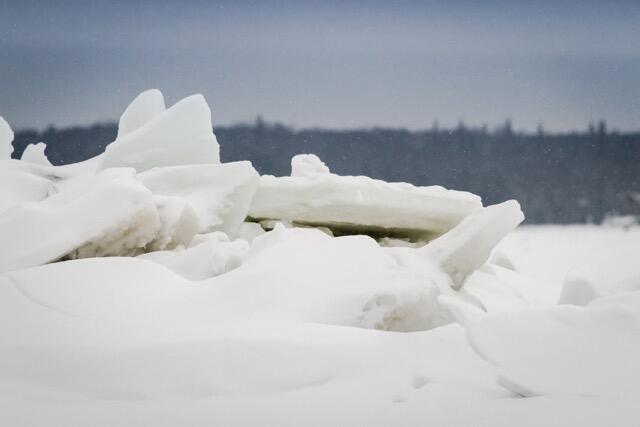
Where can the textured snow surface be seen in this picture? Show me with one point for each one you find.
(152, 285)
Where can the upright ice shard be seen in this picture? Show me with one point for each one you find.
(6, 138)
(469, 245)
(143, 109)
(181, 135)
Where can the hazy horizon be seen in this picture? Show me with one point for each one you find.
(338, 65)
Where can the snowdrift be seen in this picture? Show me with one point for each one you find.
(155, 285)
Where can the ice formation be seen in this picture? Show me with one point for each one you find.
(6, 137)
(308, 165)
(220, 194)
(34, 153)
(180, 135)
(145, 107)
(109, 214)
(352, 205)
(154, 285)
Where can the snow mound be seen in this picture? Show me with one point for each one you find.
(470, 243)
(307, 165)
(181, 135)
(208, 256)
(567, 350)
(34, 153)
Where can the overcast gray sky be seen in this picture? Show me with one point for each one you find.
(326, 63)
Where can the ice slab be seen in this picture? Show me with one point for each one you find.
(219, 194)
(143, 109)
(109, 214)
(22, 182)
(361, 204)
(469, 245)
(181, 135)
(6, 138)
(178, 223)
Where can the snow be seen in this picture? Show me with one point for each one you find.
(591, 351)
(208, 256)
(152, 285)
(21, 182)
(307, 165)
(34, 153)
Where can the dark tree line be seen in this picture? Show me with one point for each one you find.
(558, 178)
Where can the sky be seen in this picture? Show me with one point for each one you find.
(337, 64)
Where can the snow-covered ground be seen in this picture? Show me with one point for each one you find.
(153, 285)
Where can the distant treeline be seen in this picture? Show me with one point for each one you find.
(558, 178)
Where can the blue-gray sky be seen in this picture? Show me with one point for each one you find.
(326, 63)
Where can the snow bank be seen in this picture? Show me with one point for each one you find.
(359, 204)
(208, 257)
(588, 351)
(181, 135)
(219, 194)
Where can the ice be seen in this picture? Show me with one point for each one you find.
(181, 135)
(360, 204)
(143, 109)
(152, 285)
(178, 223)
(110, 214)
(22, 182)
(307, 165)
(34, 153)
(469, 245)
(6, 138)
(219, 194)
